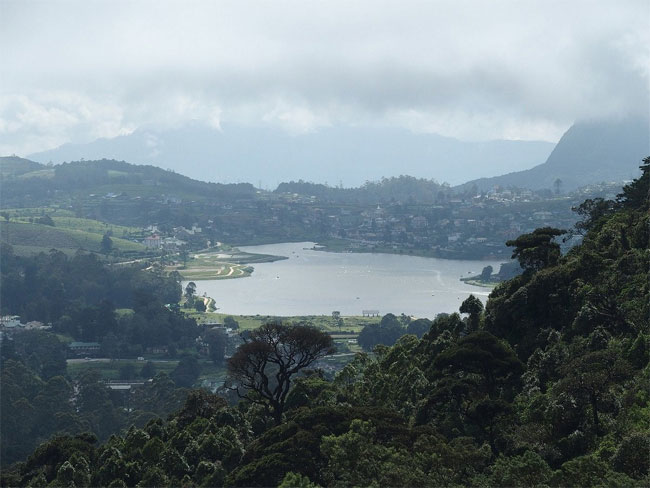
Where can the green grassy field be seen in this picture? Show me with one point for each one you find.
(92, 241)
(65, 219)
(352, 324)
(94, 226)
(40, 173)
(110, 369)
(30, 237)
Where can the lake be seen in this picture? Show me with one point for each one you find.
(314, 282)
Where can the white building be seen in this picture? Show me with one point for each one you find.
(152, 242)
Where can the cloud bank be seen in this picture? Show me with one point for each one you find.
(75, 70)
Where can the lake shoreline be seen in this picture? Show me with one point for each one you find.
(344, 246)
(317, 283)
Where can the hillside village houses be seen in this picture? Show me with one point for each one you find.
(470, 226)
(172, 242)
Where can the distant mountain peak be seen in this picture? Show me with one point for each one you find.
(590, 151)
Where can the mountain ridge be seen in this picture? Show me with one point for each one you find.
(335, 154)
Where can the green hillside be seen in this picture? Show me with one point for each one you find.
(65, 219)
(31, 238)
(23, 177)
(13, 167)
(93, 226)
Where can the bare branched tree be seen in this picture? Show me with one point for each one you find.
(264, 365)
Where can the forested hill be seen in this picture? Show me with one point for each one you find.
(545, 387)
(397, 189)
(12, 167)
(25, 180)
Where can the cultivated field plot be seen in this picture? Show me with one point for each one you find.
(94, 226)
(38, 237)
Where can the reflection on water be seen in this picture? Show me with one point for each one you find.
(315, 282)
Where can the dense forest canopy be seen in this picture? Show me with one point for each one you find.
(80, 298)
(547, 386)
(402, 188)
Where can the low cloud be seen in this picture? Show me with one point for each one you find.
(74, 71)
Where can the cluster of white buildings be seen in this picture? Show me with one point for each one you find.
(157, 241)
(11, 323)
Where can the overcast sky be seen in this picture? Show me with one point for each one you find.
(73, 71)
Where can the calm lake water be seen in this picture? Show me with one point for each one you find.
(316, 282)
